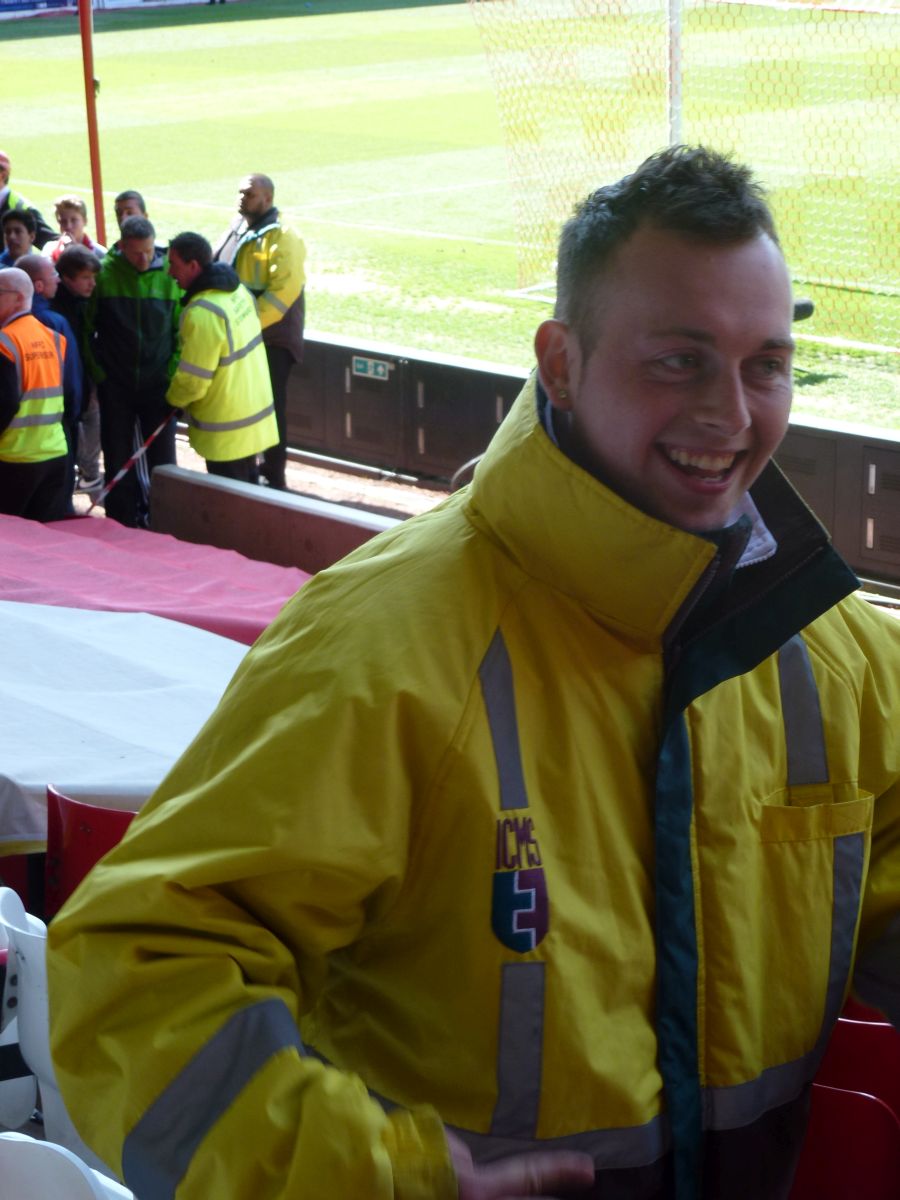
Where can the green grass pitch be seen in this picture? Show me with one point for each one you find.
(379, 124)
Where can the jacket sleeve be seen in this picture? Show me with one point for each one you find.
(286, 277)
(877, 972)
(9, 391)
(201, 348)
(72, 397)
(188, 957)
(91, 320)
(177, 310)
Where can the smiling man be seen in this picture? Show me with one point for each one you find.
(558, 819)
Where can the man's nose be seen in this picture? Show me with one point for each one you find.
(723, 404)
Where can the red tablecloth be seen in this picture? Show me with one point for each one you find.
(96, 563)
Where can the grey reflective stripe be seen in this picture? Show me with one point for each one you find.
(803, 731)
(496, 678)
(877, 976)
(628, 1147)
(208, 304)
(520, 1050)
(44, 393)
(219, 312)
(8, 344)
(225, 426)
(30, 419)
(242, 353)
(192, 369)
(731, 1107)
(159, 1149)
(274, 301)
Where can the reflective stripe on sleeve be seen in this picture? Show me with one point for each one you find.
(224, 426)
(495, 674)
(274, 301)
(192, 369)
(158, 1151)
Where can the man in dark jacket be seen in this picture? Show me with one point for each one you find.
(132, 334)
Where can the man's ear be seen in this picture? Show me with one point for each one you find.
(553, 348)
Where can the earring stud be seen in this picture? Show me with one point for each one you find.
(562, 394)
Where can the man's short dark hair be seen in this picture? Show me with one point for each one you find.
(23, 215)
(137, 229)
(192, 247)
(689, 190)
(74, 260)
(130, 194)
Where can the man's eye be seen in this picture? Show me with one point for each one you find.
(771, 368)
(684, 361)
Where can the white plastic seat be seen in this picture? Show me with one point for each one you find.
(18, 1091)
(35, 1170)
(26, 938)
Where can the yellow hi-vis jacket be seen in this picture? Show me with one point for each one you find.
(222, 380)
(270, 261)
(531, 816)
(35, 433)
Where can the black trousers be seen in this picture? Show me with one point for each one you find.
(243, 469)
(275, 458)
(125, 416)
(34, 490)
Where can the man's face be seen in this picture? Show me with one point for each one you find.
(46, 281)
(686, 391)
(18, 239)
(253, 201)
(139, 252)
(128, 208)
(184, 272)
(71, 223)
(10, 302)
(81, 284)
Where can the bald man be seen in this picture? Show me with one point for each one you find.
(42, 273)
(269, 259)
(32, 439)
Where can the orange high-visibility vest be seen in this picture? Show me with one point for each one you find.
(35, 433)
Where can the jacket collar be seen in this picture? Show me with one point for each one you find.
(634, 573)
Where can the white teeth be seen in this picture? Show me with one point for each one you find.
(701, 461)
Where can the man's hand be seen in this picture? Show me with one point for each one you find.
(535, 1175)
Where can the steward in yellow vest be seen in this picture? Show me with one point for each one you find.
(32, 439)
(222, 380)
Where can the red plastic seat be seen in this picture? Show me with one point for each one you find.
(864, 1057)
(78, 836)
(852, 1149)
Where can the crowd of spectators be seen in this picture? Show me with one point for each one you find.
(143, 338)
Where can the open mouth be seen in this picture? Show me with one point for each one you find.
(703, 464)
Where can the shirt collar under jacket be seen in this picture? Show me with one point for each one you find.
(570, 531)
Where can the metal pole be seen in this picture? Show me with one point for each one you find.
(675, 101)
(91, 87)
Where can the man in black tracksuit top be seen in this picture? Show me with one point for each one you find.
(132, 331)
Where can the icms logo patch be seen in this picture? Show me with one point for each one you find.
(520, 911)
